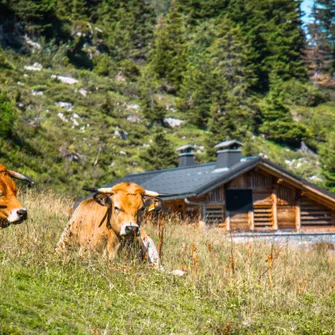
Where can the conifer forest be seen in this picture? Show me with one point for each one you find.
(92, 90)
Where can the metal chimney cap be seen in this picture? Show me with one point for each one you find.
(227, 144)
(186, 147)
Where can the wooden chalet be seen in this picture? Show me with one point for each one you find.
(241, 193)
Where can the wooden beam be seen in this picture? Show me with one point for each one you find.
(251, 220)
(297, 215)
(228, 221)
(274, 209)
(308, 189)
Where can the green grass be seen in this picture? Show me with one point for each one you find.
(229, 288)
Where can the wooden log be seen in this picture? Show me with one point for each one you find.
(316, 212)
(320, 222)
(274, 208)
(315, 218)
(251, 221)
(314, 229)
(297, 215)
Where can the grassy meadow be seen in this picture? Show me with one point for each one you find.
(229, 288)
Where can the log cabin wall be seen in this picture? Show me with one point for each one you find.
(286, 207)
(261, 217)
(215, 206)
(315, 216)
(177, 206)
(186, 211)
(275, 205)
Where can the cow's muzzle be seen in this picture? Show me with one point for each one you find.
(128, 229)
(17, 216)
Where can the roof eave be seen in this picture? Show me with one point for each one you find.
(299, 182)
(177, 196)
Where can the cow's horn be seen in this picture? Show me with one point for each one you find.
(20, 176)
(90, 189)
(151, 194)
(105, 190)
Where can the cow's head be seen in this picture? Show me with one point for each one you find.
(125, 201)
(11, 211)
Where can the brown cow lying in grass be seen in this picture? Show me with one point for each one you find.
(11, 211)
(109, 221)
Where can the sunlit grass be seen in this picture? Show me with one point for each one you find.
(228, 288)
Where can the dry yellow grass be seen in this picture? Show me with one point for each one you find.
(229, 287)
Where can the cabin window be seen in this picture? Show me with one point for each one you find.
(239, 200)
(214, 214)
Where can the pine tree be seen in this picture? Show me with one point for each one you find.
(322, 38)
(149, 88)
(197, 93)
(285, 39)
(145, 22)
(315, 55)
(327, 160)
(274, 30)
(232, 112)
(229, 54)
(39, 17)
(196, 11)
(79, 9)
(277, 122)
(168, 53)
(127, 27)
(220, 128)
(198, 83)
(160, 154)
(227, 121)
(161, 6)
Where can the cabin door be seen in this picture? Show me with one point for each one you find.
(238, 207)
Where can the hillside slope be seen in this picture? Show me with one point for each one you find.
(90, 87)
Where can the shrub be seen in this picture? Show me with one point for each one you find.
(3, 62)
(104, 65)
(8, 115)
(303, 94)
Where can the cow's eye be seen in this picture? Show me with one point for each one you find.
(1, 194)
(117, 209)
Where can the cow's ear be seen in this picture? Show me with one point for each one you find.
(102, 199)
(152, 204)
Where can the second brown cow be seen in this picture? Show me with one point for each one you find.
(108, 219)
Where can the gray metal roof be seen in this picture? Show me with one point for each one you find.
(187, 181)
(196, 180)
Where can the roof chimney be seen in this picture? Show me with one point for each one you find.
(229, 153)
(186, 155)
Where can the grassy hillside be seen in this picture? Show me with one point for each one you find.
(229, 288)
(91, 83)
(68, 135)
